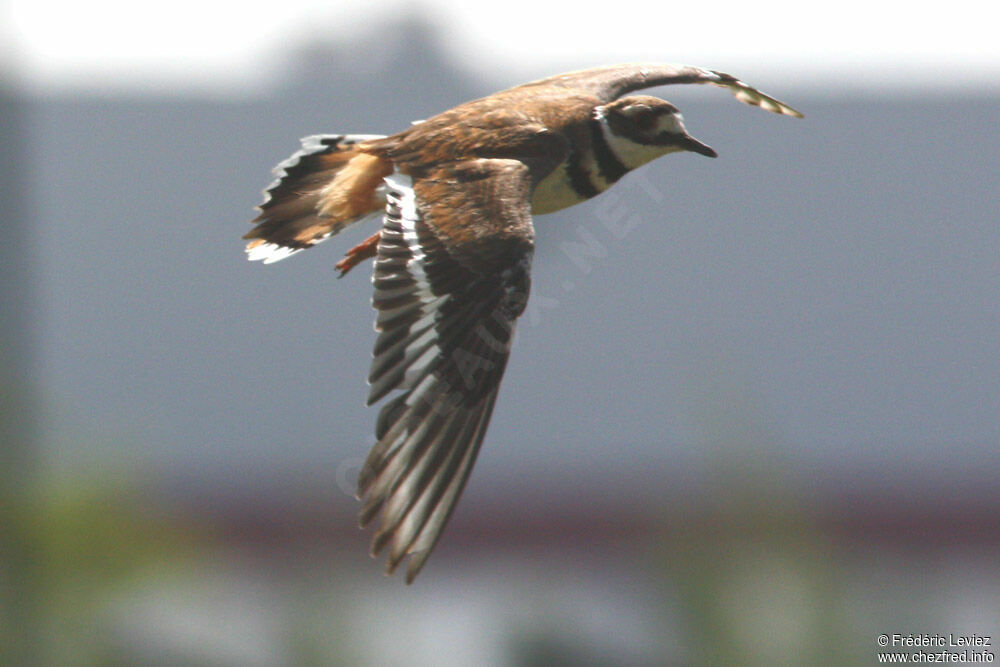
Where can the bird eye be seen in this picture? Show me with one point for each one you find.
(643, 117)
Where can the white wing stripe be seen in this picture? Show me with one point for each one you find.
(268, 253)
(747, 94)
(401, 194)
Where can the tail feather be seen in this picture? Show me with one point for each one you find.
(327, 185)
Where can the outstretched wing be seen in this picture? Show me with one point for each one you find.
(451, 277)
(610, 83)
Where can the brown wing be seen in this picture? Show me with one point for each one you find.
(610, 83)
(451, 277)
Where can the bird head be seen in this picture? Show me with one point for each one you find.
(640, 128)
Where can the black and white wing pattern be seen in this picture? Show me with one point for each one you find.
(451, 277)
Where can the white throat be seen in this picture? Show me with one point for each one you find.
(633, 154)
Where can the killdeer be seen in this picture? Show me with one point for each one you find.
(453, 255)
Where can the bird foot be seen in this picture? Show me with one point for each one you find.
(358, 254)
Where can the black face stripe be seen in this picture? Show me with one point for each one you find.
(610, 167)
(579, 176)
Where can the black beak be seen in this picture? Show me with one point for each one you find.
(689, 143)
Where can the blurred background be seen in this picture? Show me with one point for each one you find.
(752, 417)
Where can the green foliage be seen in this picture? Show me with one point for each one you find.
(81, 544)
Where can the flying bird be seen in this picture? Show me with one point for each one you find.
(452, 258)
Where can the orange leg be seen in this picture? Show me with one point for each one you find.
(358, 253)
